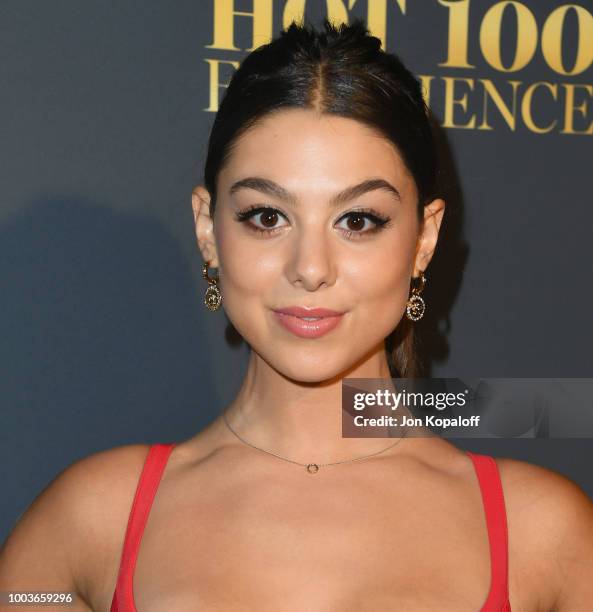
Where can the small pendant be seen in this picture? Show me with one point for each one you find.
(312, 468)
(213, 298)
(415, 308)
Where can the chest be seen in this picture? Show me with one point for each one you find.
(332, 549)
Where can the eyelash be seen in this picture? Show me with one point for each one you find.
(380, 221)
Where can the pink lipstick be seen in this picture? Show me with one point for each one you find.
(308, 322)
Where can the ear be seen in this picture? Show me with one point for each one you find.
(429, 233)
(204, 224)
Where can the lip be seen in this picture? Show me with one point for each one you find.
(308, 329)
(300, 311)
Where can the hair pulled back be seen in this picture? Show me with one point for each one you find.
(338, 70)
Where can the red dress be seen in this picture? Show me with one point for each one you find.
(154, 465)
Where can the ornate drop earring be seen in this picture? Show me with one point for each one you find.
(213, 297)
(416, 307)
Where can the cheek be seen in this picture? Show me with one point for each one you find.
(248, 275)
(249, 265)
(383, 290)
(381, 282)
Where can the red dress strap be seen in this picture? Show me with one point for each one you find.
(496, 521)
(150, 477)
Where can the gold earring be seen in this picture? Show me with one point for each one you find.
(416, 307)
(213, 297)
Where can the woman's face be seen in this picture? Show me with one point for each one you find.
(310, 249)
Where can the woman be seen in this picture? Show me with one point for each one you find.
(319, 193)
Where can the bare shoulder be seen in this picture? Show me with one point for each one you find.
(528, 486)
(70, 530)
(100, 476)
(550, 528)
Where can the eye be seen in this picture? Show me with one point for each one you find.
(357, 229)
(269, 217)
(358, 219)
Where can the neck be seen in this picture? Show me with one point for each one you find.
(303, 421)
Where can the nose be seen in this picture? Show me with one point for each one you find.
(311, 264)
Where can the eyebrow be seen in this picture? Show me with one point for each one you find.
(275, 190)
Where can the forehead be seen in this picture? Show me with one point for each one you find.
(305, 150)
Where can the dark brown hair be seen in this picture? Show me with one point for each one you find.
(340, 70)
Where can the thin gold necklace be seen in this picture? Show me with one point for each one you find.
(312, 468)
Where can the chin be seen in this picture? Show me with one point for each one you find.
(311, 376)
(306, 369)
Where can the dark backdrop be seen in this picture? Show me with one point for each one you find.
(106, 108)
